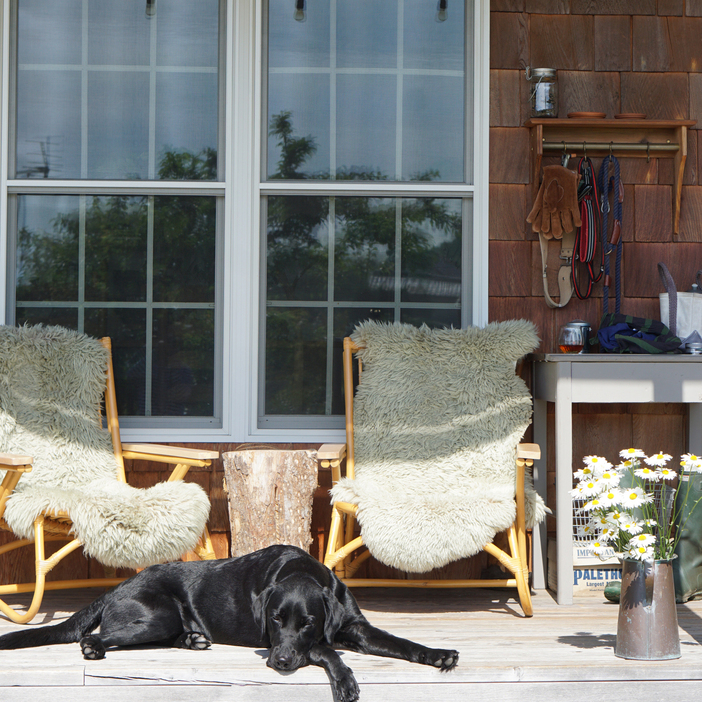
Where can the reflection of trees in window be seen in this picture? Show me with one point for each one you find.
(116, 251)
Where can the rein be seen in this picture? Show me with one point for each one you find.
(615, 241)
(586, 235)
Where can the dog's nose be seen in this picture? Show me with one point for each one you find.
(283, 661)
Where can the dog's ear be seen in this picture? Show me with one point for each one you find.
(259, 605)
(334, 613)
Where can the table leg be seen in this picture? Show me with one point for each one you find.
(694, 444)
(539, 533)
(564, 484)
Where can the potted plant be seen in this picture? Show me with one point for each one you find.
(632, 509)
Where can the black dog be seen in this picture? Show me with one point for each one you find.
(279, 598)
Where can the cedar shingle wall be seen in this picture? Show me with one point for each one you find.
(612, 56)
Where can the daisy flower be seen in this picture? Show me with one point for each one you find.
(609, 479)
(651, 523)
(608, 533)
(691, 463)
(596, 462)
(600, 521)
(632, 453)
(642, 553)
(627, 465)
(611, 497)
(632, 527)
(642, 540)
(635, 497)
(599, 548)
(589, 488)
(647, 473)
(594, 503)
(659, 459)
(587, 530)
(584, 473)
(666, 474)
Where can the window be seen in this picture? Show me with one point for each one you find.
(366, 186)
(115, 102)
(226, 187)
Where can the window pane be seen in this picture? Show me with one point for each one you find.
(391, 259)
(297, 248)
(431, 250)
(114, 94)
(140, 269)
(184, 249)
(395, 78)
(182, 381)
(127, 330)
(115, 248)
(295, 361)
(364, 264)
(47, 248)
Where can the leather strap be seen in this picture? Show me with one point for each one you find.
(565, 283)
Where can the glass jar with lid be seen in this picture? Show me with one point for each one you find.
(544, 91)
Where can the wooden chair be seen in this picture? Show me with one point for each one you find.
(343, 555)
(58, 525)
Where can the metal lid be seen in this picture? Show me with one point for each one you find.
(540, 73)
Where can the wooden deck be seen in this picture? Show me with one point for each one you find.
(561, 653)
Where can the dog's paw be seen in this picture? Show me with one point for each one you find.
(443, 660)
(92, 648)
(346, 688)
(193, 640)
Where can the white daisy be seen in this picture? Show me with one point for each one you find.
(632, 527)
(611, 497)
(590, 488)
(666, 474)
(587, 530)
(632, 453)
(635, 497)
(642, 540)
(594, 503)
(609, 478)
(595, 461)
(691, 463)
(608, 533)
(584, 473)
(651, 522)
(646, 473)
(599, 548)
(641, 553)
(659, 459)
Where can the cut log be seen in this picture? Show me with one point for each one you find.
(270, 498)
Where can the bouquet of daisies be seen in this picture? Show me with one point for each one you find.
(632, 507)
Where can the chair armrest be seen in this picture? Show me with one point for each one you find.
(182, 458)
(331, 452)
(16, 462)
(529, 451)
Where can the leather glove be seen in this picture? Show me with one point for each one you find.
(556, 208)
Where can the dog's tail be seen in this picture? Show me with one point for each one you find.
(69, 631)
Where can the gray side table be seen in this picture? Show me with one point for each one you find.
(596, 378)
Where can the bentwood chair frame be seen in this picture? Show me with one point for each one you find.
(344, 544)
(56, 526)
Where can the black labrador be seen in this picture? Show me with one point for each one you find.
(279, 598)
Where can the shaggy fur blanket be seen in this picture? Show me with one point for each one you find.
(51, 385)
(437, 419)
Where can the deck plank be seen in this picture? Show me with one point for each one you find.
(504, 656)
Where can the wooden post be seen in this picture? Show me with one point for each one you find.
(270, 497)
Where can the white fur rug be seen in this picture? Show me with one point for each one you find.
(437, 419)
(51, 385)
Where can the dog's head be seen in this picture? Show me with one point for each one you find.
(295, 614)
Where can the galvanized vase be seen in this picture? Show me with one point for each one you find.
(647, 629)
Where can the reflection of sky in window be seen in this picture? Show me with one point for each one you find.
(372, 70)
(366, 33)
(120, 79)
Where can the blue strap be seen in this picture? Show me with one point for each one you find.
(604, 182)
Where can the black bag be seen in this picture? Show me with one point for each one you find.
(622, 333)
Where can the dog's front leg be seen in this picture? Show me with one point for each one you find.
(340, 675)
(365, 638)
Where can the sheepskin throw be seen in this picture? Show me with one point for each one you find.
(51, 385)
(437, 419)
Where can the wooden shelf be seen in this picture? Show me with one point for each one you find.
(635, 138)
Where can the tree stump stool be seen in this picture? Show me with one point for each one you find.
(270, 497)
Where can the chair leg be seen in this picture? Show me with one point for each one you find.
(335, 532)
(521, 573)
(204, 549)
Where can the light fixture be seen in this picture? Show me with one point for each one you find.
(442, 10)
(150, 9)
(300, 15)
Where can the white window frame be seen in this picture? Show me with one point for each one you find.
(242, 190)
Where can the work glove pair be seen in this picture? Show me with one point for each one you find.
(556, 209)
